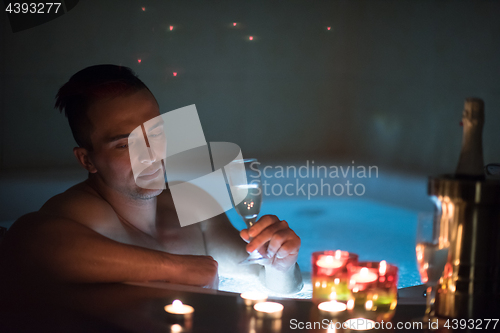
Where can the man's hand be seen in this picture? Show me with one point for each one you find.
(275, 239)
(197, 271)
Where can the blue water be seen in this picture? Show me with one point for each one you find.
(374, 230)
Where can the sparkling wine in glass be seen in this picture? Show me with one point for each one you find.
(250, 188)
(249, 208)
(432, 253)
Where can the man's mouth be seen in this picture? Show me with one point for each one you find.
(147, 175)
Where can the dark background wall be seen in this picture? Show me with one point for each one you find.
(385, 85)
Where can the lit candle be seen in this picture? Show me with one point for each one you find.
(364, 276)
(331, 307)
(374, 288)
(252, 298)
(177, 308)
(330, 277)
(271, 310)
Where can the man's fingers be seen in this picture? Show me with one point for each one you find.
(244, 235)
(283, 243)
(262, 224)
(265, 235)
(288, 248)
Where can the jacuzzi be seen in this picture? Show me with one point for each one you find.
(378, 225)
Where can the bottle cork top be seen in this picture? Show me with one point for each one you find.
(473, 114)
(470, 163)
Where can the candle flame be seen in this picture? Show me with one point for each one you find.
(383, 267)
(338, 254)
(177, 304)
(369, 305)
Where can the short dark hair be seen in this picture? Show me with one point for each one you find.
(89, 85)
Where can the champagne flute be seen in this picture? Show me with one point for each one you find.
(432, 253)
(244, 182)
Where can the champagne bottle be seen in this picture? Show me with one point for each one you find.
(471, 164)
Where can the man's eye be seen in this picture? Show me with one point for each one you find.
(154, 135)
(125, 145)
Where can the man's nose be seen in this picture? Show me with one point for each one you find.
(148, 156)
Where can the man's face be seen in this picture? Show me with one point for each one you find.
(113, 120)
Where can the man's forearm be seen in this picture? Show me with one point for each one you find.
(65, 250)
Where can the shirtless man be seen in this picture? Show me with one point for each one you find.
(108, 229)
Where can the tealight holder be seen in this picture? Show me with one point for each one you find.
(374, 286)
(332, 310)
(330, 275)
(180, 315)
(264, 325)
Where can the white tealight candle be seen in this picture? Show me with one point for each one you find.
(252, 297)
(330, 262)
(177, 308)
(271, 310)
(331, 307)
(364, 276)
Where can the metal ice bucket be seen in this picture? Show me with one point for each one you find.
(469, 215)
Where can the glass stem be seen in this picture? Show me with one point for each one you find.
(431, 297)
(250, 222)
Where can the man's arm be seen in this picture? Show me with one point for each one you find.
(58, 249)
(223, 242)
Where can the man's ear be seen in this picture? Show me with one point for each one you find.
(82, 155)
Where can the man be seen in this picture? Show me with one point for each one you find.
(108, 229)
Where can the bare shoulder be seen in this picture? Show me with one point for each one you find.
(82, 204)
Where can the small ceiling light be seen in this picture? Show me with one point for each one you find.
(234, 24)
(171, 27)
(139, 60)
(143, 9)
(251, 37)
(175, 73)
(329, 28)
